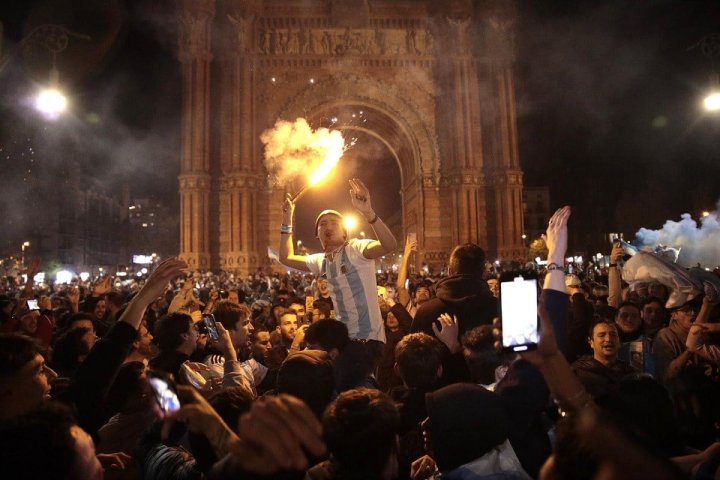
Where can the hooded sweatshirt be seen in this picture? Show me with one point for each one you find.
(467, 297)
(468, 430)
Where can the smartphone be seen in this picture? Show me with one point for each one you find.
(412, 237)
(309, 305)
(164, 392)
(518, 312)
(32, 304)
(212, 330)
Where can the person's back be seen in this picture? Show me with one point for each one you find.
(464, 295)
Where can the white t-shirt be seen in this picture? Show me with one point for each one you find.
(353, 288)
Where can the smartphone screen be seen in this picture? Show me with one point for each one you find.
(212, 330)
(32, 304)
(164, 394)
(309, 303)
(412, 237)
(519, 313)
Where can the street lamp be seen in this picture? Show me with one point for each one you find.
(710, 47)
(350, 222)
(23, 247)
(53, 38)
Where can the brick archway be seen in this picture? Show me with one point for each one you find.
(435, 80)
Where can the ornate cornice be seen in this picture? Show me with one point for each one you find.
(194, 17)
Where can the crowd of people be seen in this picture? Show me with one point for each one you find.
(336, 372)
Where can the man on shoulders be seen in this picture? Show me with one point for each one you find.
(348, 264)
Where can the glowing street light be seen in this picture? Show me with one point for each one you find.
(709, 46)
(53, 38)
(350, 222)
(51, 102)
(712, 102)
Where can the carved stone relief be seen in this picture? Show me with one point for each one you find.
(338, 42)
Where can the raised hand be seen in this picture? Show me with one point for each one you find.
(275, 434)
(102, 287)
(556, 236)
(288, 204)
(617, 252)
(360, 198)
(33, 267)
(448, 332)
(410, 245)
(422, 468)
(158, 280)
(224, 343)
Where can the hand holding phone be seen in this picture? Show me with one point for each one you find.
(212, 330)
(518, 312)
(164, 391)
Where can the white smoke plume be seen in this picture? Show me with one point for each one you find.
(293, 149)
(699, 244)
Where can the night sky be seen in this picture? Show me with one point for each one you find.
(608, 106)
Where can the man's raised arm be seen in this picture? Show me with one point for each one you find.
(386, 241)
(287, 249)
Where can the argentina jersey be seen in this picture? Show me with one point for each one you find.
(353, 288)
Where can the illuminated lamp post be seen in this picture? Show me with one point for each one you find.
(53, 38)
(710, 47)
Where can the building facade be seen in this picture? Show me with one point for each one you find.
(435, 83)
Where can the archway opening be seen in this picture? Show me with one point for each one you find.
(373, 158)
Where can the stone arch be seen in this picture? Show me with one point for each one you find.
(399, 117)
(397, 121)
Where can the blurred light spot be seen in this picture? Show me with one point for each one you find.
(659, 122)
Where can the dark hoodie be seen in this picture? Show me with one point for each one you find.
(466, 296)
(466, 422)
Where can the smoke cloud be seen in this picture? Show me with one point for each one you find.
(698, 243)
(294, 149)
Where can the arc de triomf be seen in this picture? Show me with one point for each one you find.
(434, 76)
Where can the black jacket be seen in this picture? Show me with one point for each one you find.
(599, 379)
(467, 297)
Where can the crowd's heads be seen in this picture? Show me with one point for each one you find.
(328, 335)
(235, 317)
(604, 341)
(685, 314)
(24, 377)
(422, 291)
(465, 421)
(480, 354)
(71, 348)
(654, 315)
(28, 320)
(308, 375)
(260, 344)
(143, 344)
(47, 443)
(418, 360)
(360, 428)
(130, 391)
(288, 325)
(628, 318)
(175, 331)
(467, 259)
(329, 226)
(80, 319)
